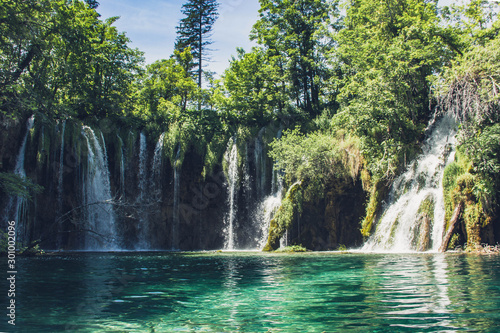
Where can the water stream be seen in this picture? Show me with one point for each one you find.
(406, 224)
(233, 180)
(99, 214)
(142, 199)
(17, 208)
(177, 183)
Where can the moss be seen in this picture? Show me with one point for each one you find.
(378, 191)
(342, 248)
(292, 249)
(450, 175)
(475, 219)
(459, 185)
(215, 149)
(427, 206)
(291, 207)
(421, 237)
(454, 242)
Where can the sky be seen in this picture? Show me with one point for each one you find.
(150, 24)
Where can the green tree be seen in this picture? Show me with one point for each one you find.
(93, 4)
(194, 31)
(388, 52)
(22, 39)
(251, 90)
(60, 58)
(291, 32)
(473, 22)
(166, 89)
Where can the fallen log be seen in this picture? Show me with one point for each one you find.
(451, 228)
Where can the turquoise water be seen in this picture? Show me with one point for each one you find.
(255, 292)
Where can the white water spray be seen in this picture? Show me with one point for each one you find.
(17, 207)
(400, 227)
(177, 182)
(122, 168)
(99, 214)
(157, 162)
(142, 183)
(232, 159)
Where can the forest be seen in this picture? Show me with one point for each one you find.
(326, 112)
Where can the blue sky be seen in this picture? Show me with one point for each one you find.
(150, 24)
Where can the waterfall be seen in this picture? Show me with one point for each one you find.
(266, 211)
(272, 202)
(142, 183)
(16, 209)
(260, 164)
(404, 226)
(231, 156)
(99, 214)
(61, 168)
(175, 217)
(60, 187)
(122, 169)
(157, 161)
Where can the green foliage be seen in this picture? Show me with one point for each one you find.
(474, 22)
(248, 93)
(291, 33)
(291, 207)
(470, 91)
(387, 52)
(463, 187)
(59, 58)
(17, 185)
(33, 249)
(342, 248)
(194, 31)
(454, 242)
(291, 249)
(470, 88)
(316, 159)
(373, 206)
(165, 92)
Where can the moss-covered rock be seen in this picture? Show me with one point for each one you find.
(378, 192)
(291, 207)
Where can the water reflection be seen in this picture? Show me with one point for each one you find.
(260, 293)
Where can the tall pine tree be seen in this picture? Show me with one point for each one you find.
(194, 31)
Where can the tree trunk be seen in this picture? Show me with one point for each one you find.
(453, 222)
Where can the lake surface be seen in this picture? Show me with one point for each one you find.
(255, 292)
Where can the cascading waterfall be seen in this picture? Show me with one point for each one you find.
(143, 227)
(122, 169)
(270, 205)
(260, 164)
(142, 181)
(99, 213)
(267, 209)
(16, 209)
(61, 168)
(157, 163)
(175, 217)
(60, 187)
(409, 223)
(231, 156)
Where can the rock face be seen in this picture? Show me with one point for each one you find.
(332, 222)
(157, 203)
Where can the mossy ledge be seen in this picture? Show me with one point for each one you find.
(291, 207)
